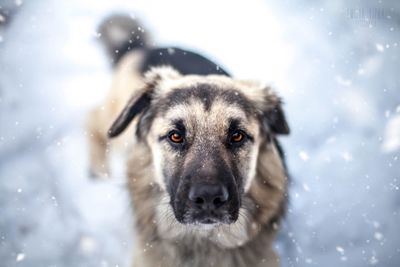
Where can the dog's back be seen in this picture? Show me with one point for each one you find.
(121, 34)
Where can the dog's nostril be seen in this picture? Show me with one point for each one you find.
(208, 196)
(217, 201)
(199, 200)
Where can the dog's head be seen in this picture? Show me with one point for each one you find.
(205, 134)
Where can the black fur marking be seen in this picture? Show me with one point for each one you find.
(145, 121)
(179, 125)
(281, 155)
(277, 121)
(207, 94)
(234, 124)
(134, 107)
(186, 62)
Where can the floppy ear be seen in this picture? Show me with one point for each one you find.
(141, 100)
(273, 116)
(136, 104)
(276, 120)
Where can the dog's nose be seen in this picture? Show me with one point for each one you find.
(208, 196)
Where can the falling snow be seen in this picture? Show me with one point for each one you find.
(20, 257)
(338, 78)
(380, 47)
(303, 155)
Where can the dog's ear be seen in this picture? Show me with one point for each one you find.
(141, 100)
(273, 116)
(276, 120)
(136, 104)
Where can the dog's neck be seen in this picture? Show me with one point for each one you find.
(160, 236)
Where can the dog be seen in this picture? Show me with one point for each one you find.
(206, 174)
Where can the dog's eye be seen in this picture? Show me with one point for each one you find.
(175, 137)
(237, 137)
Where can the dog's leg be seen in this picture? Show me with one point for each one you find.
(98, 146)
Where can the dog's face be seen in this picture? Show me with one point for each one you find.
(204, 133)
(204, 143)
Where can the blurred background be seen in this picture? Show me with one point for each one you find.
(335, 63)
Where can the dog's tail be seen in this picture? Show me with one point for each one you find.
(120, 34)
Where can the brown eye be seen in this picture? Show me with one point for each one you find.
(237, 137)
(176, 137)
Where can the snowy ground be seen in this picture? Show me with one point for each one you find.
(334, 62)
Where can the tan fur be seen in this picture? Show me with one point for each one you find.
(161, 240)
(126, 80)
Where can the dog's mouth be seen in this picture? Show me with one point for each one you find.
(226, 215)
(209, 218)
